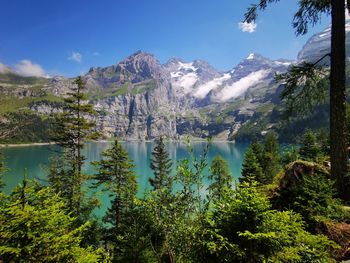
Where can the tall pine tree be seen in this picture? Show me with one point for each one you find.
(72, 128)
(258, 149)
(116, 175)
(298, 78)
(161, 166)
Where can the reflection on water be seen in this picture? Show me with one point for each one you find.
(35, 158)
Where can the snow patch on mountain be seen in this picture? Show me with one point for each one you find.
(320, 44)
(186, 66)
(251, 56)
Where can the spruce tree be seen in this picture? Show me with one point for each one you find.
(220, 178)
(290, 155)
(310, 150)
(34, 227)
(251, 169)
(271, 158)
(2, 170)
(161, 166)
(71, 129)
(161, 203)
(258, 149)
(116, 175)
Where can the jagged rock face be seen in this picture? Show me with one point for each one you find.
(140, 116)
(59, 86)
(320, 44)
(136, 68)
(139, 98)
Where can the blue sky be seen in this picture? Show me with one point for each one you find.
(68, 37)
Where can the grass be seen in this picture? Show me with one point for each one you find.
(12, 104)
(144, 87)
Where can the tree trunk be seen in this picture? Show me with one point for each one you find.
(338, 100)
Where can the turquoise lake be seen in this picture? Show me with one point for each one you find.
(35, 158)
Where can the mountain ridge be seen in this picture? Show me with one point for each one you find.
(141, 98)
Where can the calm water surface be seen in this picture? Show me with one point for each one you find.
(35, 159)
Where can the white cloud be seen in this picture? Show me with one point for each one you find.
(27, 68)
(247, 27)
(186, 82)
(76, 56)
(96, 54)
(204, 89)
(238, 88)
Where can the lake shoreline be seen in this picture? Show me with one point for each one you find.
(5, 145)
(26, 144)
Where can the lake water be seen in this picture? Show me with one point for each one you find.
(35, 158)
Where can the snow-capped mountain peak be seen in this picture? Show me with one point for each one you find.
(251, 56)
(319, 44)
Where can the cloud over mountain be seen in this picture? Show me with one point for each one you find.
(27, 68)
(241, 86)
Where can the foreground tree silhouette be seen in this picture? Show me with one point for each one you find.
(309, 12)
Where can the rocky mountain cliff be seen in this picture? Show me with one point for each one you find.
(140, 98)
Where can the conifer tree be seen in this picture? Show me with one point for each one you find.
(290, 155)
(2, 169)
(72, 128)
(244, 228)
(251, 169)
(34, 227)
(271, 158)
(298, 89)
(258, 149)
(116, 175)
(161, 166)
(310, 149)
(220, 177)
